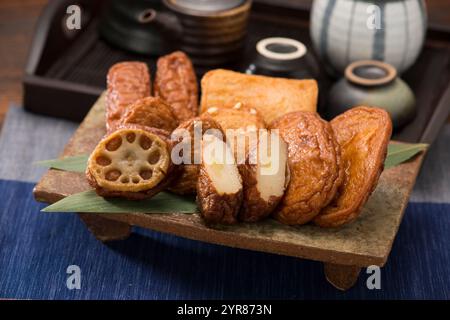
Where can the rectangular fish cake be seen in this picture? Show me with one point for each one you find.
(272, 97)
(126, 82)
(176, 83)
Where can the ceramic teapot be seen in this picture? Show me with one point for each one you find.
(210, 32)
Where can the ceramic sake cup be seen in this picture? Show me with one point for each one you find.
(373, 83)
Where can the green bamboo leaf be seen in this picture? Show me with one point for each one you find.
(89, 201)
(75, 163)
(401, 152)
(397, 153)
(165, 202)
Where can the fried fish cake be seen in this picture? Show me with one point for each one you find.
(314, 165)
(176, 83)
(194, 128)
(272, 97)
(265, 176)
(150, 112)
(132, 162)
(219, 185)
(241, 125)
(363, 134)
(240, 116)
(126, 82)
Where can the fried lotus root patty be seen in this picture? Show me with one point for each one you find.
(150, 112)
(219, 185)
(314, 165)
(176, 83)
(126, 82)
(133, 162)
(185, 133)
(363, 134)
(241, 125)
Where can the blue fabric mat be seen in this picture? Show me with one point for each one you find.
(36, 249)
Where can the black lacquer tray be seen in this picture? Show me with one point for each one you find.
(66, 72)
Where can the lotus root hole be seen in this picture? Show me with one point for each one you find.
(124, 180)
(146, 174)
(103, 161)
(112, 175)
(131, 137)
(135, 180)
(114, 144)
(145, 142)
(154, 157)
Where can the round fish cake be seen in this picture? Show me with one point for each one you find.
(314, 165)
(265, 176)
(219, 184)
(150, 112)
(241, 125)
(187, 181)
(363, 134)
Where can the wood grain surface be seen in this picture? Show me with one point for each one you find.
(365, 242)
(17, 21)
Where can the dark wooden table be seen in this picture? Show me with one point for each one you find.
(17, 20)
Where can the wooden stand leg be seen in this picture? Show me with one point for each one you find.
(105, 229)
(340, 276)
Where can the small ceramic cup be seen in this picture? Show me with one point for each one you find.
(281, 57)
(373, 83)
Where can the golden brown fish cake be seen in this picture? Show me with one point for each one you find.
(238, 117)
(265, 176)
(219, 184)
(150, 112)
(176, 83)
(133, 162)
(272, 97)
(126, 82)
(239, 121)
(314, 165)
(187, 181)
(363, 134)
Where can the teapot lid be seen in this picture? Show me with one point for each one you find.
(205, 6)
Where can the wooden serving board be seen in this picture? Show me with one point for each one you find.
(367, 241)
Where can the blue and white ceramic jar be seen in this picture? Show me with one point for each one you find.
(344, 31)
